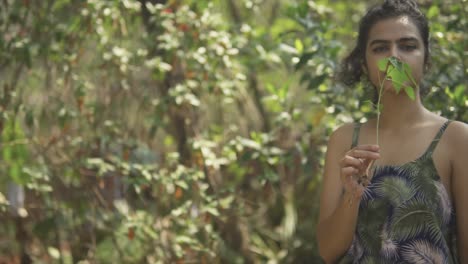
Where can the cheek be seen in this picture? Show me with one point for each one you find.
(373, 73)
(417, 70)
(417, 65)
(369, 69)
(375, 79)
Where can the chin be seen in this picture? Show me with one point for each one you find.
(390, 89)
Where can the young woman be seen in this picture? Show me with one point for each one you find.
(415, 208)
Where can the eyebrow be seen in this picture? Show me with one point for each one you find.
(404, 39)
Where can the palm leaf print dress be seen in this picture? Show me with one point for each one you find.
(405, 215)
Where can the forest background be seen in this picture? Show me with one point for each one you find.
(186, 131)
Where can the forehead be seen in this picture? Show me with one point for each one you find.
(394, 29)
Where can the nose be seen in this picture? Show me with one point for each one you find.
(394, 52)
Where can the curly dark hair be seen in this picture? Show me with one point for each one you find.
(351, 70)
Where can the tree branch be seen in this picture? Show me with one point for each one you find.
(253, 84)
(274, 13)
(235, 14)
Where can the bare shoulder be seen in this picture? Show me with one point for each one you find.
(457, 137)
(342, 135)
(457, 131)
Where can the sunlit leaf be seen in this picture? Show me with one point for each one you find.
(53, 252)
(211, 210)
(382, 64)
(397, 77)
(410, 92)
(398, 64)
(304, 59)
(433, 11)
(299, 46)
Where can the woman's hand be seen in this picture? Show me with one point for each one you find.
(354, 170)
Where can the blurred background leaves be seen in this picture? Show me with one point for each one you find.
(182, 131)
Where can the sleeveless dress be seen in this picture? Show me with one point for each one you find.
(405, 215)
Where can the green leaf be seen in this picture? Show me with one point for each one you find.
(397, 77)
(54, 252)
(433, 11)
(396, 63)
(299, 46)
(16, 174)
(211, 210)
(410, 92)
(7, 154)
(459, 91)
(29, 118)
(60, 4)
(315, 81)
(250, 143)
(270, 175)
(184, 239)
(225, 203)
(400, 75)
(304, 59)
(407, 69)
(459, 95)
(270, 88)
(283, 92)
(182, 184)
(382, 64)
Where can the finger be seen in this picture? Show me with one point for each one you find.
(348, 177)
(348, 172)
(363, 154)
(368, 147)
(360, 164)
(368, 164)
(347, 161)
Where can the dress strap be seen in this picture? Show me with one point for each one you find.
(357, 128)
(436, 139)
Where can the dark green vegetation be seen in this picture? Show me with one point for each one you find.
(186, 132)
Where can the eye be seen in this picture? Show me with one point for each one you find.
(408, 47)
(380, 49)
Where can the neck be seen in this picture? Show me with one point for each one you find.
(400, 111)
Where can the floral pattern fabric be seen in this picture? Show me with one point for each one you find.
(405, 215)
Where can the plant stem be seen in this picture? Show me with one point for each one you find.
(378, 107)
(391, 64)
(371, 164)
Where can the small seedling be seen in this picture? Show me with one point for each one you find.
(399, 73)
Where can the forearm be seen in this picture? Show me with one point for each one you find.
(335, 234)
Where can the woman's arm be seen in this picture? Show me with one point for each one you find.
(459, 143)
(338, 209)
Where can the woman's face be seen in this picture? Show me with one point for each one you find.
(398, 37)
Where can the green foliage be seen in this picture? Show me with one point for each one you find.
(399, 73)
(14, 151)
(188, 131)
